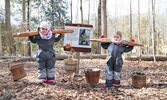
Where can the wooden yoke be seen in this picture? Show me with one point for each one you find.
(105, 40)
(58, 31)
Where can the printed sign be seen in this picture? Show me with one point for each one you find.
(79, 40)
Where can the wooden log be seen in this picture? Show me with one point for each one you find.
(58, 31)
(94, 56)
(105, 40)
(146, 58)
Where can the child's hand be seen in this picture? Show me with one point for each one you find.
(102, 36)
(132, 40)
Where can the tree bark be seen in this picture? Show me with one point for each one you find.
(99, 26)
(148, 29)
(24, 14)
(131, 20)
(1, 53)
(59, 19)
(104, 22)
(81, 11)
(153, 29)
(52, 15)
(89, 12)
(71, 11)
(28, 15)
(139, 28)
(8, 28)
(24, 47)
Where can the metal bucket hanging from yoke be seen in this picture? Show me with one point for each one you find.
(17, 71)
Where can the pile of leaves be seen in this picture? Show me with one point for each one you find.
(68, 87)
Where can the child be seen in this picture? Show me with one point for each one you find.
(45, 54)
(114, 59)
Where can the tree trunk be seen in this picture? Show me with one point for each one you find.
(104, 22)
(116, 19)
(59, 19)
(28, 15)
(24, 14)
(81, 11)
(104, 18)
(53, 25)
(1, 53)
(99, 26)
(71, 11)
(148, 29)
(153, 29)
(89, 12)
(8, 28)
(24, 50)
(131, 20)
(139, 29)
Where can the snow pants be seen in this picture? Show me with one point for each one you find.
(45, 62)
(113, 72)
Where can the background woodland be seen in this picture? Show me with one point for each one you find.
(146, 28)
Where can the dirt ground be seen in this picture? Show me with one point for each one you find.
(69, 88)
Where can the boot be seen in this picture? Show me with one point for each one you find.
(109, 83)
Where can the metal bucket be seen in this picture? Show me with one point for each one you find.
(92, 75)
(17, 71)
(138, 80)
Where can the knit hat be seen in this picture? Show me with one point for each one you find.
(45, 25)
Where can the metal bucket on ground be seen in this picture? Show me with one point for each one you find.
(138, 80)
(70, 65)
(17, 71)
(92, 75)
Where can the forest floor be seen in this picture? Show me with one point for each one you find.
(68, 88)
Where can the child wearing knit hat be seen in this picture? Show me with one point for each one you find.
(45, 55)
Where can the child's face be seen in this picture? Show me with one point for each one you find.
(117, 37)
(44, 31)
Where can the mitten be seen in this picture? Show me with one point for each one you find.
(102, 36)
(132, 40)
(68, 46)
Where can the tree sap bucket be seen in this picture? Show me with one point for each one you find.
(138, 80)
(17, 71)
(70, 64)
(92, 75)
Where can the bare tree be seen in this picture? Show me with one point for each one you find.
(28, 15)
(23, 14)
(52, 5)
(139, 29)
(71, 10)
(24, 50)
(104, 18)
(104, 22)
(131, 20)
(153, 29)
(81, 11)
(89, 11)
(148, 28)
(8, 28)
(59, 18)
(1, 53)
(99, 25)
